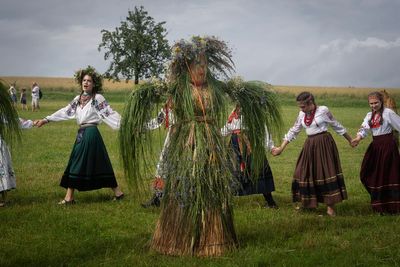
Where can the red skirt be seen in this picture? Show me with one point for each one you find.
(380, 174)
(318, 176)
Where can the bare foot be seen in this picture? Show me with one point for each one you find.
(330, 211)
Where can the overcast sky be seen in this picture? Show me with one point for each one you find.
(282, 42)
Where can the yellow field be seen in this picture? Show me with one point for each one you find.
(352, 91)
(49, 83)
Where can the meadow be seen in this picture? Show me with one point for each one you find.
(35, 231)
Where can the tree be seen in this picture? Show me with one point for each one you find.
(137, 49)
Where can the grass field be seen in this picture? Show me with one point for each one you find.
(35, 231)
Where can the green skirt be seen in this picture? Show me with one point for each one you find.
(89, 166)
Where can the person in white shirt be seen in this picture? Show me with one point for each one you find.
(35, 96)
(164, 117)
(318, 176)
(7, 174)
(242, 150)
(380, 169)
(89, 166)
(13, 94)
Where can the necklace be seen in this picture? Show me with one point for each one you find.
(309, 117)
(375, 120)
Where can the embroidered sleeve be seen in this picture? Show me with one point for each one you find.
(336, 126)
(65, 113)
(25, 124)
(106, 113)
(364, 129)
(393, 119)
(156, 123)
(269, 143)
(295, 130)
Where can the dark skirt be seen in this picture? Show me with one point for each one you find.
(380, 174)
(265, 183)
(318, 176)
(89, 166)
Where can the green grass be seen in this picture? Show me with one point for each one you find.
(35, 231)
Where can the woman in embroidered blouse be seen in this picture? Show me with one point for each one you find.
(380, 169)
(318, 176)
(164, 117)
(242, 150)
(89, 166)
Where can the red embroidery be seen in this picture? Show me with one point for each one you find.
(233, 115)
(376, 120)
(308, 118)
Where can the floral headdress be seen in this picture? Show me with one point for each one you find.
(96, 77)
(217, 53)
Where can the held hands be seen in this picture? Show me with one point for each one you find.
(276, 151)
(39, 123)
(355, 141)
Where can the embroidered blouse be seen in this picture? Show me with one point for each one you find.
(161, 118)
(235, 124)
(390, 120)
(322, 119)
(94, 112)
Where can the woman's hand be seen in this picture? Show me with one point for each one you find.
(40, 123)
(355, 141)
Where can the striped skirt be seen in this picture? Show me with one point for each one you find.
(380, 174)
(318, 176)
(89, 166)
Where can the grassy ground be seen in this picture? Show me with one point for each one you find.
(35, 231)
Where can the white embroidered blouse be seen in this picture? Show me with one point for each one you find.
(322, 119)
(390, 120)
(236, 124)
(94, 112)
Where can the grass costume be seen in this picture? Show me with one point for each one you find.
(196, 210)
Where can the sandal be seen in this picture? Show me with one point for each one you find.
(66, 202)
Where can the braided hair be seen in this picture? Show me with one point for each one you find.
(380, 111)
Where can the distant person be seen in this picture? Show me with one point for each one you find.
(89, 166)
(35, 96)
(318, 176)
(13, 94)
(380, 169)
(23, 99)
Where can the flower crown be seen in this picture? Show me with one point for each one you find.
(96, 77)
(217, 53)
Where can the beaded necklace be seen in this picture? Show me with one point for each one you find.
(375, 121)
(309, 117)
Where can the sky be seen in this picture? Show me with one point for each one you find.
(282, 42)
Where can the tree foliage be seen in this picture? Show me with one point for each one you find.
(137, 48)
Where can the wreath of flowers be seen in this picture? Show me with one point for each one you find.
(96, 77)
(217, 53)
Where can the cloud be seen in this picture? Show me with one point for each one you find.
(340, 46)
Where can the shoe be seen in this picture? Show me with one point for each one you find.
(66, 202)
(120, 197)
(154, 201)
(2, 204)
(271, 205)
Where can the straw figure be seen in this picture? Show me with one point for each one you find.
(196, 209)
(389, 102)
